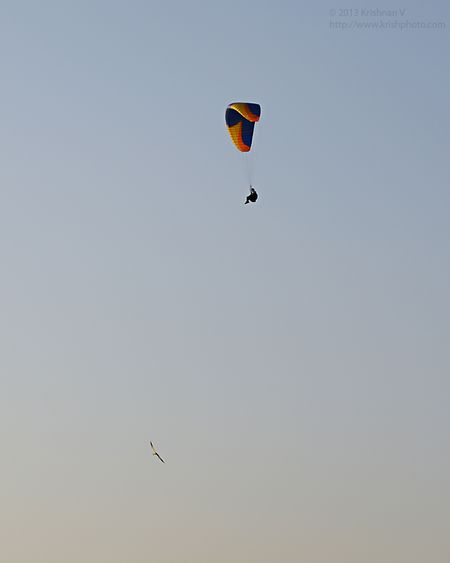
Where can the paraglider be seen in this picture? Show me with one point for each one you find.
(240, 118)
(252, 197)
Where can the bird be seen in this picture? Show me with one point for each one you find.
(155, 452)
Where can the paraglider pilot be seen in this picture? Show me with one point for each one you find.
(252, 197)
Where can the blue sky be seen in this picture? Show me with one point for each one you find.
(290, 359)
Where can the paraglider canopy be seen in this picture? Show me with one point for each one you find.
(240, 118)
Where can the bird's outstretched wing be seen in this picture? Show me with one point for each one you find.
(153, 447)
(159, 457)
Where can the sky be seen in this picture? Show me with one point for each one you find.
(289, 359)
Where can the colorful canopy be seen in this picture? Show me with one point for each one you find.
(240, 118)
